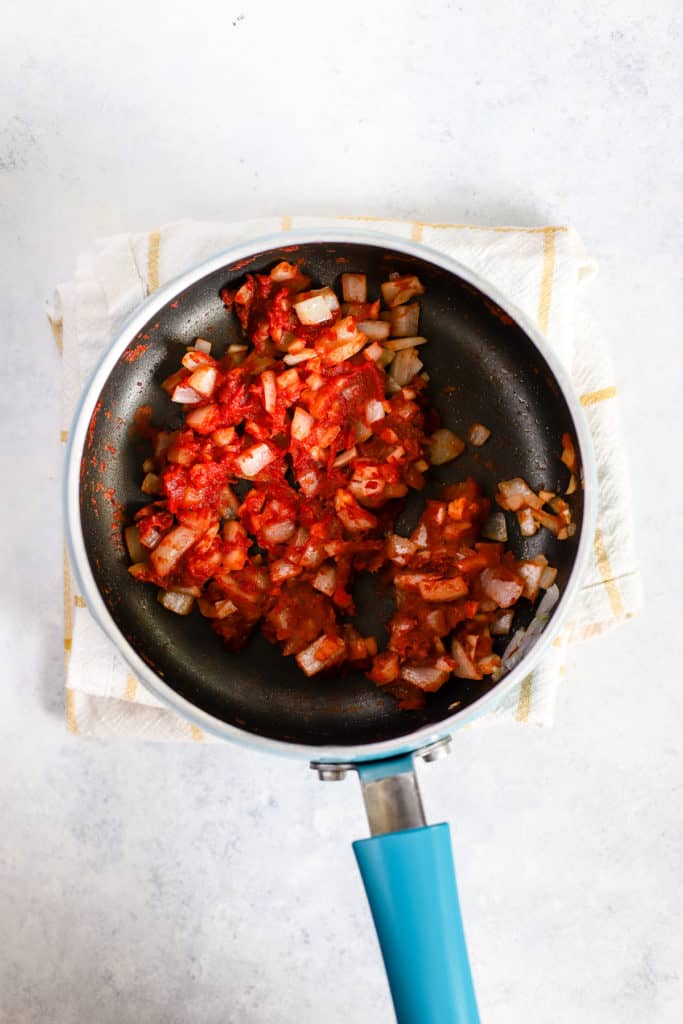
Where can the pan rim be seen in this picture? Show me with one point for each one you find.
(86, 579)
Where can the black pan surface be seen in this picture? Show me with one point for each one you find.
(482, 366)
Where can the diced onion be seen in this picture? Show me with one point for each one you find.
(181, 604)
(323, 653)
(354, 287)
(135, 548)
(398, 344)
(326, 579)
(254, 459)
(317, 307)
(302, 424)
(345, 457)
(527, 524)
(504, 592)
(204, 380)
(279, 533)
(373, 351)
(269, 390)
(444, 446)
(427, 677)
(400, 290)
(405, 320)
(502, 622)
(151, 484)
(203, 346)
(478, 434)
(516, 494)
(376, 330)
(299, 357)
(185, 395)
(548, 577)
(405, 366)
(374, 411)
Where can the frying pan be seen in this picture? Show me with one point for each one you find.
(486, 363)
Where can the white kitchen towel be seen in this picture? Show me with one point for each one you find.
(543, 270)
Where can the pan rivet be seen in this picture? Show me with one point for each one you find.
(331, 772)
(435, 751)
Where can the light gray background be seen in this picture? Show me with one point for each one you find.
(187, 884)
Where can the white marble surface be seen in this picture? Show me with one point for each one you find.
(190, 884)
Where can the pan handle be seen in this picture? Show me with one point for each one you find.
(409, 877)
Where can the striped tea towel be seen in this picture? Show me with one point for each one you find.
(543, 270)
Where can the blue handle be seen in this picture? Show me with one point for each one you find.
(409, 879)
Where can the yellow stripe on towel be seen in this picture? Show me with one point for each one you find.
(68, 610)
(548, 273)
(524, 703)
(593, 397)
(70, 711)
(57, 332)
(153, 261)
(606, 575)
(131, 690)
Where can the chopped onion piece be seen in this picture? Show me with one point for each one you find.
(362, 431)
(464, 666)
(374, 411)
(444, 446)
(568, 455)
(323, 653)
(398, 344)
(254, 459)
(203, 380)
(135, 548)
(516, 494)
(376, 330)
(185, 395)
(443, 589)
(405, 320)
(478, 434)
(373, 351)
(502, 622)
(236, 349)
(203, 346)
(354, 287)
(527, 524)
(548, 577)
(148, 466)
(504, 592)
(405, 366)
(427, 677)
(151, 484)
(181, 604)
(348, 456)
(530, 573)
(299, 357)
(326, 579)
(400, 290)
(302, 424)
(495, 527)
(171, 548)
(269, 390)
(279, 533)
(313, 311)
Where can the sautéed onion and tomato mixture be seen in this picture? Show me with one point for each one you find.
(286, 478)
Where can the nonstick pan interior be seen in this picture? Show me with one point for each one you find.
(482, 366)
